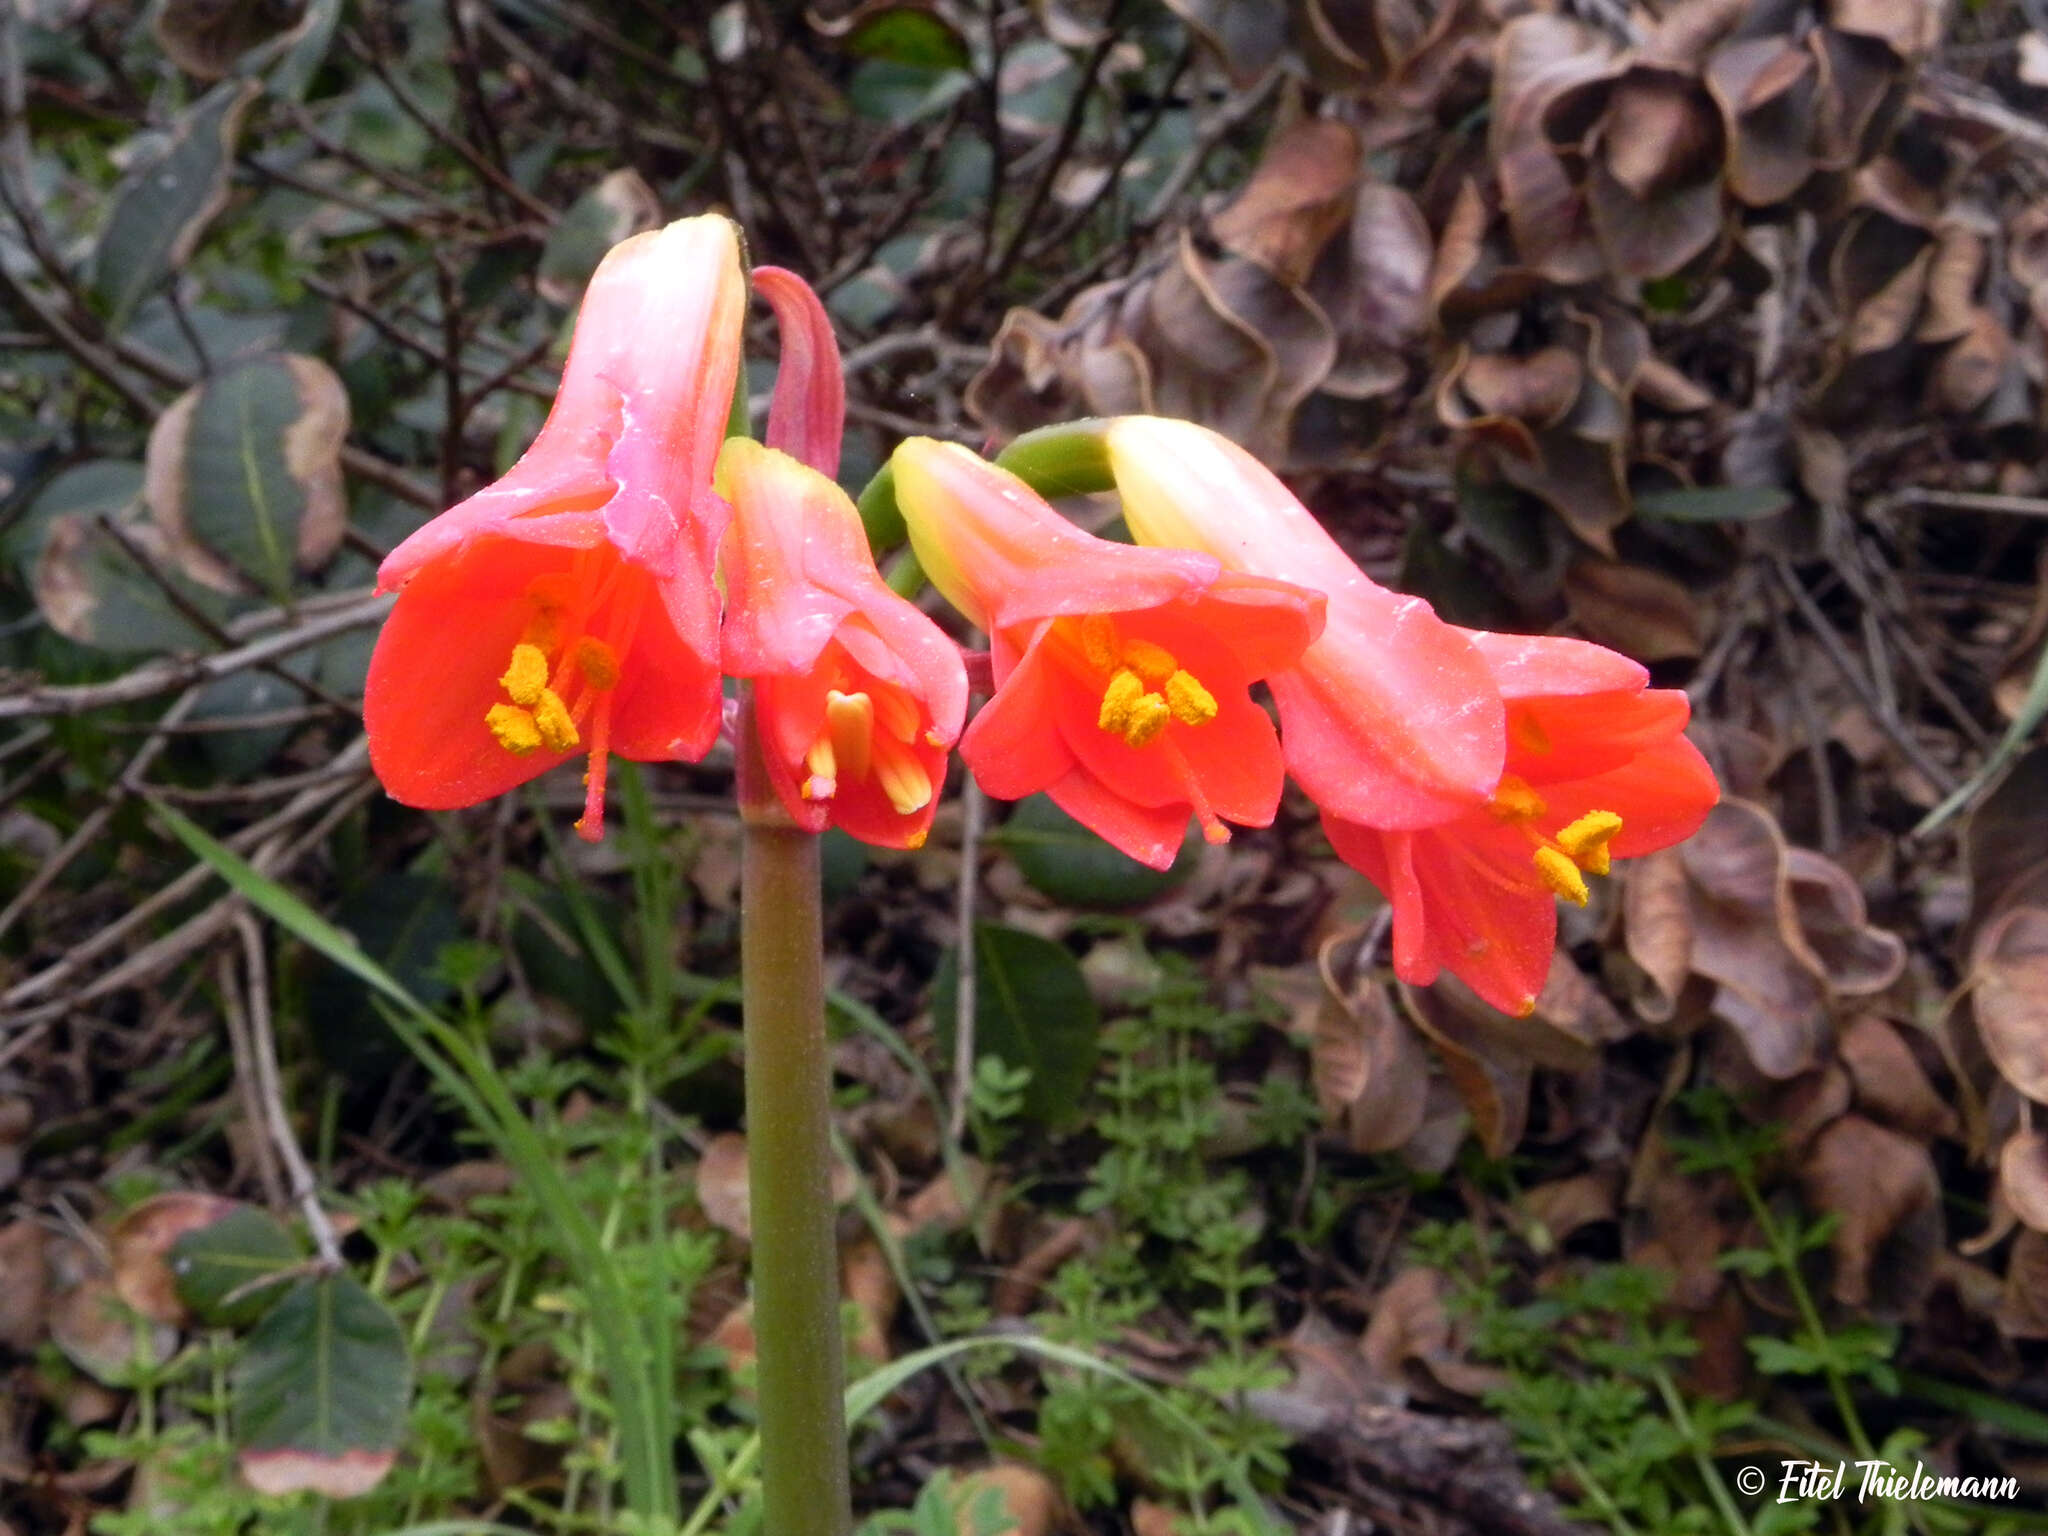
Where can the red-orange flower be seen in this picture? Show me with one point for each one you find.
(1596, 770)
(858, 696)
(569, 609)
(1390, 717)
(1122, 674)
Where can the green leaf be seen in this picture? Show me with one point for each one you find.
(1714, 503)
(319, 1393)
(219, 1270)
(1031, 1008)
(1077, 868)
(646, 1427)
(168, 199)
(98, 486)
(243, 472)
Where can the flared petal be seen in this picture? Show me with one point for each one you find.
(807, 415)
(1662, 795)
(1013, 746)
(1452, 913)
(1150, 834)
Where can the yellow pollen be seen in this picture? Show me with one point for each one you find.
(1561, 875)
(850, 722)
(551, 720)
(903, 780)
(1154, 663)
(514, 728)
(1585, 840)
(1124, 691)
(527, 677)
(1098, 641)
(598, 662)
(1147, 718)
(1526, 1007)
(1514, 800)
(1191, 703)
(1527, 732)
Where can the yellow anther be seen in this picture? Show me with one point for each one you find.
(1585, 840)
(824, 766)
(1561, 875)
(903, 779)
(1154, 663)
(1527, 732)
(1147, 718)
(598, 663)
(897, 712)
(551, 719)
(1098, 641)
(850, 722)
(1514, 800)
(527, 677)
(1190, 702)
(514, 728)
(1124, 690)
(1525, 1007)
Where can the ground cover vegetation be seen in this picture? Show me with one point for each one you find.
(368, 1171)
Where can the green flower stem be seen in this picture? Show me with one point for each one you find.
(804, 1485)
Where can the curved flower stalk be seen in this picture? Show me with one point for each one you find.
(1597, 769)
(1390, 718)
(569, 608)
(1121, 674)
(858, 696)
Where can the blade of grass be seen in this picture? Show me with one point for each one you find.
(868, 1394)
(645, 1440)
(2032, 708)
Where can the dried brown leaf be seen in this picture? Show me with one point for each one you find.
(2009, 996)
(1884, 1188)
(2023, 1177)
(139, 1246)
(1891, 1086)
(1637, 611)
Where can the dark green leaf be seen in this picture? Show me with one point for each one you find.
(220, 1269)
(169, 198)
(108, 486)
(620, 205)
(1076, 868)
(92, 590)
(1032, 1009)
(320, 1391)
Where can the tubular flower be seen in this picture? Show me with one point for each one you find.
(858, 695)
(1391, 718)
(1121, 674)
(569, 608)
(1596, 770)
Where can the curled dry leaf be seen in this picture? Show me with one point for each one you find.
(2009, 996)
(1657, 930)
(1781, 932)
(1410, 1326)
(1368, 1067)
(2023, 1177)
(2023, 1307)
(1890, 1085)
(1300, 303)
(1884, 1188)
(1561, 1207)
(1633, 609)
(722, 1184)
(205, 37)
(1491, 1077)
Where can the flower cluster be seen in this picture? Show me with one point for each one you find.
(575, 607)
